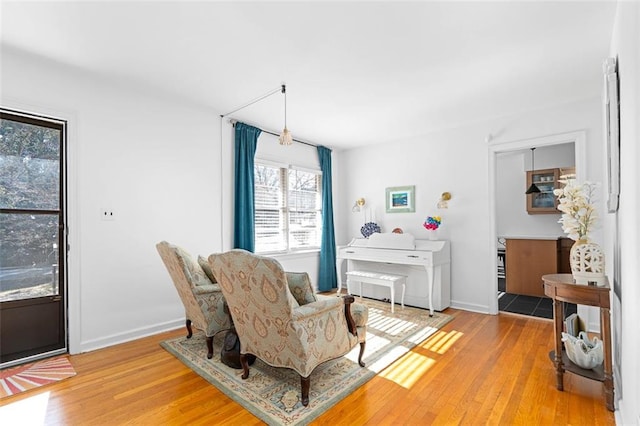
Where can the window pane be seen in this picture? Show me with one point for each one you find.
(304, 228)
(304, 191)
(304, 209)
(269, 216)
(28, 256)
(29, 166)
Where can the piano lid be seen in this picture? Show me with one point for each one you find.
(397, 242)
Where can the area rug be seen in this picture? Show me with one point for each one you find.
(273, 394)
(24, 377)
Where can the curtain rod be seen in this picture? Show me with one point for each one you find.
(234, 121)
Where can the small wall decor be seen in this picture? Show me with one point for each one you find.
(401, 199)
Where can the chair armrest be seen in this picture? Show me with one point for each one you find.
(348, 300)
(205, 288)
(316, 308)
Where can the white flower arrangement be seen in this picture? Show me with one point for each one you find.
(579, 215)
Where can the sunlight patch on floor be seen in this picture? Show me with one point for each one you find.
(29, 411)
(387, 358)
(422, 334)
(394, 326)
(441, 341)
(408, 370)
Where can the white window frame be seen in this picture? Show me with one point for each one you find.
(286, 208)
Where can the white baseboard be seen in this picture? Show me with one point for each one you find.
(115, 339)
(481, 309)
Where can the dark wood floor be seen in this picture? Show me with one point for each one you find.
(479, 369)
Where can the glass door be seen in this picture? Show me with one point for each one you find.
(32, 238)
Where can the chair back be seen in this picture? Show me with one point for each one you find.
(186, 274)
(256, 291)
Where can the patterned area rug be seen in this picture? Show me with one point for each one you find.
(24, 377)
(273, 394)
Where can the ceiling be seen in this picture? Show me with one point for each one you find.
(357, 73)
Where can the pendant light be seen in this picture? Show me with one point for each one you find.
(285, 137)
(533, 189)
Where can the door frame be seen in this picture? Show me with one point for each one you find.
(40, 119)
(579, 138)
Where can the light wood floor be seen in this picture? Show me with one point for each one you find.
(479, 369)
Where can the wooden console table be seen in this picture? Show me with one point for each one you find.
(561, 288)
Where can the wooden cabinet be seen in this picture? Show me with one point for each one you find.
(544, 202)
(529, 259)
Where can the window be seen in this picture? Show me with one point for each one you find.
(288, 208)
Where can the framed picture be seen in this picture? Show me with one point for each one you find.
(612, 131)
(401, 199)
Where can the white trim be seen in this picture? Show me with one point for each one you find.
(272, 163)
(74, 329)
(135, 334)
(579, 138)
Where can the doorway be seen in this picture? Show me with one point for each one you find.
(32, 237)
(579, 141)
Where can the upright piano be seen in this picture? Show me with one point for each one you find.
(426, 264)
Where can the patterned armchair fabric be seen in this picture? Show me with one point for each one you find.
(279, 319)
(202, 299)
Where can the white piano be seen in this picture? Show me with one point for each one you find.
(426, 264)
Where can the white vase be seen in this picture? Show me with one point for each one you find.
(587, 263)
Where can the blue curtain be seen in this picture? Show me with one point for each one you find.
(246, 141)
(327, 277)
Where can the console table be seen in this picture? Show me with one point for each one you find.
(561, 288)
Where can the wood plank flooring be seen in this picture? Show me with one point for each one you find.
(479, 369)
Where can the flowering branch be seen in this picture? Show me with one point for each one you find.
(432, 223)
(578, 213)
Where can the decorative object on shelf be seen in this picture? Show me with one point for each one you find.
(533, 188)
(397, 231)
(401, 199)
(582, 351)
(432, 223)
(443, 202)
(578, 219)
(357, 206)
(587, 263)
(369, 228)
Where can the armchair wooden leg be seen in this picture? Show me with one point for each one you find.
(362, 344)
(209, 347)
(305, 383)
(189, 330)
(245, 366)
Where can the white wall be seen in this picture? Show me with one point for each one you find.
(512, 219)
(455, 161)
(626, 316)
(154, 161)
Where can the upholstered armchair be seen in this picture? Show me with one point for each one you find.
(200, 294)
(280, 320)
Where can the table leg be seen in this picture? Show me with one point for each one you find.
(608, 369)
(558, 319)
